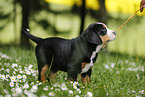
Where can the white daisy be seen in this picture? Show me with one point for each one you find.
(70, 92)
(76, 83)
(21, 71)
(14, 72)
(39, 83)
(32, 83)
(19, 91)
(77, 96)
(89, 94)
(45, 89)
(106, 66)
(19, 76)
(34, 74)
(7, 70)
(112, 65)
(57, 89)
(6, 91)
(24, 76)
(34, 88)
(14, 94)
(11, 84)
(7, 76)
(26, 86)
(14, 65)
(17, 84)
(30, 94)
(30, 66)
(25, 92)
(75, 87)
(8, 95)
(133, 91)
(2, 77)
(51, 94)
(79, 91)
(142, 91)
(63, 87)
(28, 72)
(2, 68)
(13, 90)
(51, 88)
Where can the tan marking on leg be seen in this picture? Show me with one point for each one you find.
(43, 73)
(85, 79)
(52, 76)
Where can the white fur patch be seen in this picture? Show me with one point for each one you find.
(109, 32)
(111, 36)
(89, 65)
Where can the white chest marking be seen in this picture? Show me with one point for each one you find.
(89, 65)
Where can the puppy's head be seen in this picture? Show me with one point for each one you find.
(98, 33)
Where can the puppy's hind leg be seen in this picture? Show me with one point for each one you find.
(42, 64)
(43, 73)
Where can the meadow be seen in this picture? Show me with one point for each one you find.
(113, 75)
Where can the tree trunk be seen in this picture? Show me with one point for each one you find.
(83, 14)
(14, 21)
(103, 12)
(25, 23)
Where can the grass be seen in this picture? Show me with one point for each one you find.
(113, 75)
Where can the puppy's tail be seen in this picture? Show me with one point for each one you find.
(32, 37)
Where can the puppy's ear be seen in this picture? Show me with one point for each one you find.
(94, 38)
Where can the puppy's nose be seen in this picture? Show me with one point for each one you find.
(114, 33)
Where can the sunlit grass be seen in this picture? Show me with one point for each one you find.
(113, 75)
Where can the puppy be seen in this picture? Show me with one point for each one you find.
(74, 56)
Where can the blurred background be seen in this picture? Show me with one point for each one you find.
(68, 19)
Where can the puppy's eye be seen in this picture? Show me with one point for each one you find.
(103, 32)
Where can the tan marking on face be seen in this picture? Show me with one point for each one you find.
(85, 79)
(83, 64)
(104, 26)
(43, 73)
(105, 39)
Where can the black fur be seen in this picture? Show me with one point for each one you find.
(68, 53)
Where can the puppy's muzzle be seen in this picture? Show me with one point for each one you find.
(110, 36)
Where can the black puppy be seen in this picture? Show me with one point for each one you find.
(74, 56)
